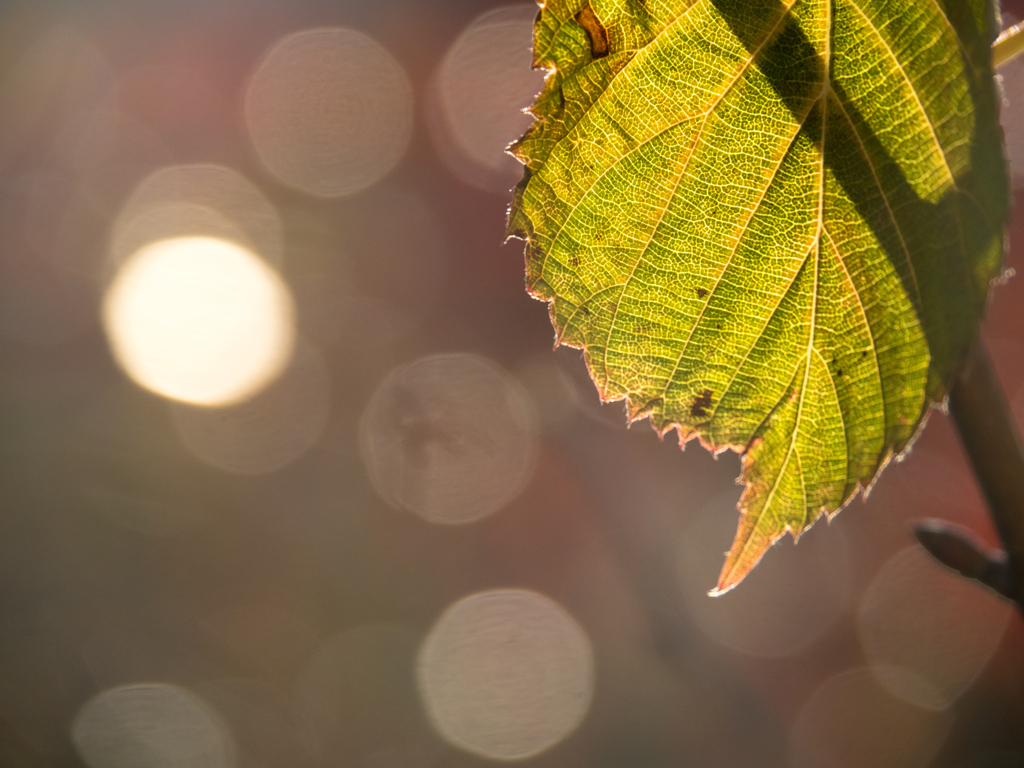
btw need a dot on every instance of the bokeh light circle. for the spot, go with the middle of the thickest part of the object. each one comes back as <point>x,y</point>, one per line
<point>329,111</point>
<point>268,431</point>
<point>195,200</point>
<point>154,725</point>
<point>451,438</point>
<point>927,632</point>
<point>483,86</point>
<point>506,674</point>
<point>850,721</point>
<point>199,320</point>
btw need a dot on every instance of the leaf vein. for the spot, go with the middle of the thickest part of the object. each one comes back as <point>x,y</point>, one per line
<point>885,198</point>
<point>867,324</point>
<point>913,89</point>
<point>685,165</point>
<point>739,240</point>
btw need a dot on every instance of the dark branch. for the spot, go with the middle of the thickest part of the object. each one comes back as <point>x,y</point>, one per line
<point>990,438</point>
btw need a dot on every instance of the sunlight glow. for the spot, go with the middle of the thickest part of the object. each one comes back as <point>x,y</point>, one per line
<point>200,320</point>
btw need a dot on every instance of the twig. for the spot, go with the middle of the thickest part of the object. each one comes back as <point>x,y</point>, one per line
<point>957,548</point>
<point>989,437</point>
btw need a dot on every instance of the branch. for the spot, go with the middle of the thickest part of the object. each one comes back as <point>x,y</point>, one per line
<point>989,437</point>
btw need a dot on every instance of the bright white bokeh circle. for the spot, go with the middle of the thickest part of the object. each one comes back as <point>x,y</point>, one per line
<point>199,320</point>
<point>329,111</point>
<point>506,674</point>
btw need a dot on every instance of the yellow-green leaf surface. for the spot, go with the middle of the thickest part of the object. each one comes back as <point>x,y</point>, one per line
<point>770,225</point>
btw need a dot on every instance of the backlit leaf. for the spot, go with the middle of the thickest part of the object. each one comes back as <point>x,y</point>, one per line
<point>769,225</point>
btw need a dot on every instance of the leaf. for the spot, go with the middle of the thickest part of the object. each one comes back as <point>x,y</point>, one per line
<point>769,225</point>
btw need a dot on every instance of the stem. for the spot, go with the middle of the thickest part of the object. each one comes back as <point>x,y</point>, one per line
<point>1008,45</point>
<point>989,436</point>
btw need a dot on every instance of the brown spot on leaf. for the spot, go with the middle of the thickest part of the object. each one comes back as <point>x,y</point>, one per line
<point>574,261</point>
<point>839,372</point>
<point>701,293</point>
<point>585,311</point>
<point>595,30</point>
<point>701,403</point>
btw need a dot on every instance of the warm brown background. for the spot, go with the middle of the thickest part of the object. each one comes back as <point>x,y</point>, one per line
<point>232,582</point>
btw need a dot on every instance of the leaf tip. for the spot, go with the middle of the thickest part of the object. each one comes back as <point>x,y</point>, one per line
<point>733,572</point>
<point>721,590</point>
<point>748,547</point>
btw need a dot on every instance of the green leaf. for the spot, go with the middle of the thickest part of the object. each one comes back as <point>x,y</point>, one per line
<point>770,225</point>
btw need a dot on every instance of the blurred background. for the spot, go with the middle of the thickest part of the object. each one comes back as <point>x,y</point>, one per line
<point>290,476</point>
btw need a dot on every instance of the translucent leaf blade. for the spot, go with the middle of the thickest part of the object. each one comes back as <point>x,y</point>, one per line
<point>770,226</point>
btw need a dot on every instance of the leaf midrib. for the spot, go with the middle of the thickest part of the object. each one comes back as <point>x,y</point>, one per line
<point>822,99</point>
